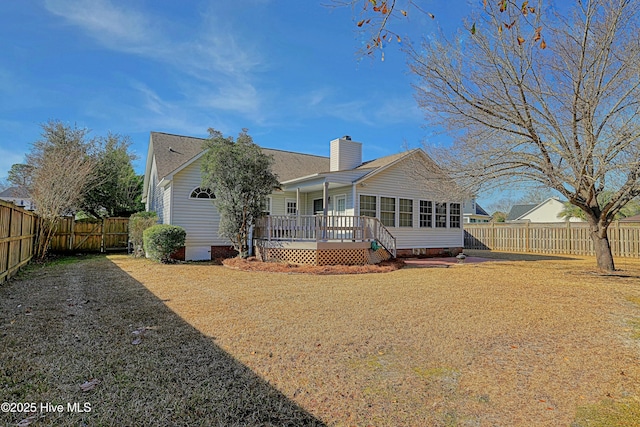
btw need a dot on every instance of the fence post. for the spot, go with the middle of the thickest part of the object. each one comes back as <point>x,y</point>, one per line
<point>104,227</point>
<point>619,239</point>
<point>527,236</point>
<point>493,235</point>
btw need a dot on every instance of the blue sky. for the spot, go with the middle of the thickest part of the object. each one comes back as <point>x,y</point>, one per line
<point>288,70</point>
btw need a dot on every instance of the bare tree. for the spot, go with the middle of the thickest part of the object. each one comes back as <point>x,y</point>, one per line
<point>562,111</point>
<point>63,162</point>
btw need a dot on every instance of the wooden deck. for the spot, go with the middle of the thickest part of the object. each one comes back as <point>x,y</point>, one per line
<point>328,231</point>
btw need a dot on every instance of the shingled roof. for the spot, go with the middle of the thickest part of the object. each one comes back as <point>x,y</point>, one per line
<point>519,210</point>
<point>173,151</point>
<point>15,192</point>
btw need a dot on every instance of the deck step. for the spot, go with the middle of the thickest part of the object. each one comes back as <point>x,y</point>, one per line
<point>376,256</point>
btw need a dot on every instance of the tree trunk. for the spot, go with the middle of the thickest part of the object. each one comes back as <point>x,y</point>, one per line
<point>604,257</point>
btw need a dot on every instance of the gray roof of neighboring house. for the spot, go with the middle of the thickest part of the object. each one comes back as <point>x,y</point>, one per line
<point>15,192</point>
<point>518,210</point>
<point>635,218</point>
<point>480,210</point>
<point>173,151</point>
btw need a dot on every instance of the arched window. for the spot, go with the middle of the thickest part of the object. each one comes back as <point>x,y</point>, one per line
<point>202,193</point>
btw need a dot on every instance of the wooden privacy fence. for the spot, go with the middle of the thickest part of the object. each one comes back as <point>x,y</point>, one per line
<point>108,234</point>
<point>17,235</point>
<point>571,238</point>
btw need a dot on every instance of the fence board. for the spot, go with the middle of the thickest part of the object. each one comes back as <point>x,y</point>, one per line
<point>17,232</point>
<point>109,234</point>
<point>570,238</point>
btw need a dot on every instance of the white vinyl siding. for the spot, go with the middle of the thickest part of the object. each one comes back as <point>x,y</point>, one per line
<point>198,217</point>
<point>400,181</point>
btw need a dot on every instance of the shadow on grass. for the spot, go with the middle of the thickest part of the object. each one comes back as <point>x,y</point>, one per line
<point>73,322</point>
<point>513,256</point>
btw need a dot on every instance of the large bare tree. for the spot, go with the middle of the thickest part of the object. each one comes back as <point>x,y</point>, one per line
<point>62,161</point>
<point>550,97</point>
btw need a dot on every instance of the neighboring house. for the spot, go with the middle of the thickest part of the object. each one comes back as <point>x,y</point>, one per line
<point>19,196</point>
<point>547,211</point>
<point>472,212</point>
<point>634,218</point>
<point>334,209</point>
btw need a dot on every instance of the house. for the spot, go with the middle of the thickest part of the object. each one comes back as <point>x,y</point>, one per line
<point>634,218</point>
<point>19,196</point>
<point>472,212</point>
<point>328,210</point>
<point>548,211</point>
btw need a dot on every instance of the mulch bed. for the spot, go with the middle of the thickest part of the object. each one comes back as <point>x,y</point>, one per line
<point>254,264</point>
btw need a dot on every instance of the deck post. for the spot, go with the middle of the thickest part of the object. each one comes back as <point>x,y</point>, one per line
<point>325,208</point>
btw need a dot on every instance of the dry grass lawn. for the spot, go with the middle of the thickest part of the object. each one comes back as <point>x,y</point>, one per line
<point>530,341</point>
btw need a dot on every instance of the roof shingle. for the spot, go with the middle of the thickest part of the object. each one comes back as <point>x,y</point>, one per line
<point>173,151</point>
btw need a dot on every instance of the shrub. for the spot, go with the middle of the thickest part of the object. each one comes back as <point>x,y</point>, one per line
<point>161,240</point>
<point>138,222</point>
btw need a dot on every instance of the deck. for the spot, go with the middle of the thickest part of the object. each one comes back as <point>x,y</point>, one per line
<point>324,239</point>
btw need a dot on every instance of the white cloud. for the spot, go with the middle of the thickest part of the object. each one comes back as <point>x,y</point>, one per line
<point>211,53</point>
<point>116,28</point>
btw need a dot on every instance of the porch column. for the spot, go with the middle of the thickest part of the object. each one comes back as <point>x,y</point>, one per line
<point>298,224</point>
<point>325,208</point>
<point>325,198</point>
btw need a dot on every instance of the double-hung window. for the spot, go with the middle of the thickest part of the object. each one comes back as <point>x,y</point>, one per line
<point>426,213</point>
<point>388,211</point>
<point>441,215</point>
<point>406,213</point>
<point>454,215</point>
<point>292,207</point>
<point>367,205</point>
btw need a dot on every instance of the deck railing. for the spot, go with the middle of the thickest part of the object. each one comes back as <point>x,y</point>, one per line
<point>323,228</point>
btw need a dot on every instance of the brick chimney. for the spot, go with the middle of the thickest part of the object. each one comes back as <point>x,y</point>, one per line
<point>345,154</point>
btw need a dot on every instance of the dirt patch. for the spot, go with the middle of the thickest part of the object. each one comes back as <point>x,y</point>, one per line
<point>253,264</point>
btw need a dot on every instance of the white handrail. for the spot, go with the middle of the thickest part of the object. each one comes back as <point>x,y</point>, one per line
<point>325,228</point>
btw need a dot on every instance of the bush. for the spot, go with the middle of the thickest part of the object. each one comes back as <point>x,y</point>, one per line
<point>161,240</point>
<point>138,222</point>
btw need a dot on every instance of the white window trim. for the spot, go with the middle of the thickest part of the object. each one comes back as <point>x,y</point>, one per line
<point>313,202</point>
<point>413,209</point>
<point>460,215</point>
<point>377,197</point>
<point>395,212</point>
<point>428,227</point>
<point>286,206</point>
<point>269,205</point>
<point>335,203</point>
<point>199,198</point>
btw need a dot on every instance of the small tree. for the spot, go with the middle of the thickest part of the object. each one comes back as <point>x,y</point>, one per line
<point>138,222</point>
<point>239,174</point>
<point>161,240</point>
<point>62,163</point>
